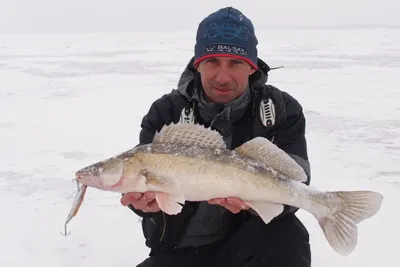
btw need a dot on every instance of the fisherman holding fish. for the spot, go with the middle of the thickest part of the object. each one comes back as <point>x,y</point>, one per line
<point>222,165</point>
<point>224,86</point>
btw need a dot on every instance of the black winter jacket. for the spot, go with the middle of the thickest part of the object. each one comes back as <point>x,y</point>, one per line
<point>283,122</point>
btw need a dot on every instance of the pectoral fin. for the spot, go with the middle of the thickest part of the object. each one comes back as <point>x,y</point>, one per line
<point>170,203</point>
<point>266,210</point>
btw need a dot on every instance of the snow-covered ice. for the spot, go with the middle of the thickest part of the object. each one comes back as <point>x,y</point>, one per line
<point>68,100</point>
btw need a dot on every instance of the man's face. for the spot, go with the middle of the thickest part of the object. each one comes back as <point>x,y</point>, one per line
<point>224,78</point>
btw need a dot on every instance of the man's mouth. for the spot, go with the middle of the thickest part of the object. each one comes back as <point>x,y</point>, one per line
<point>222,90</point>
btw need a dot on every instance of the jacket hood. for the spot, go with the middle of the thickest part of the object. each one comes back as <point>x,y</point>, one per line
<point>258,78</point>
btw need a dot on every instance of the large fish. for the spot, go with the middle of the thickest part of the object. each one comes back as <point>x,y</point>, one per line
<point>189,162</point>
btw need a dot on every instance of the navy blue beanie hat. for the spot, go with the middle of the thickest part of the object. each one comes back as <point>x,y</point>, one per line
<point>226,32</point>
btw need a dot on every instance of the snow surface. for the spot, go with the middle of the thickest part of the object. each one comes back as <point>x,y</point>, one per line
<point>68,100</point>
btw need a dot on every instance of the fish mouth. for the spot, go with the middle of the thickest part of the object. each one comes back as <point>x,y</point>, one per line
<point>89,176</point>
<point>101,178</point>
<point>89,180</point>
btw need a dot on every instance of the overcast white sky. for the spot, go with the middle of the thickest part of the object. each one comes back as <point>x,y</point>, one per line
<point>160,15</point>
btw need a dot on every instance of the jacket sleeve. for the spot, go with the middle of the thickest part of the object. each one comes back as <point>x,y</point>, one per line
<point>290,137</point>
<point>161,112</point>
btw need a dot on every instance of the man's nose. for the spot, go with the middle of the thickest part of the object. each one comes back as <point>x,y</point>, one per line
<point>222,77</point>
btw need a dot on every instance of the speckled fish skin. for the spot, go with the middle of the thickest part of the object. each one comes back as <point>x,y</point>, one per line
<point>189,162</point>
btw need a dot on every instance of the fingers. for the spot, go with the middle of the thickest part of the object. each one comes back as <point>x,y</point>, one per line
<point>149,196</point>
<point>232,208</point>
<point>217,201</point>
<point>152,207</point>
<point>128,198</point>
<point>141,203</point>
<point>234,205</point>
<point>145,202</point>
<point>237,203</point>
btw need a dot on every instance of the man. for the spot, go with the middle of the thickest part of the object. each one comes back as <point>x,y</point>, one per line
<point>224,87</point>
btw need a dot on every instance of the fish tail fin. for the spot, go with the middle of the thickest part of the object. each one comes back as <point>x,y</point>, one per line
<point>339,224</point>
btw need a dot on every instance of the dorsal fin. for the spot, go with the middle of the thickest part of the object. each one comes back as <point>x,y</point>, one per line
<point>189,134</point>
<point>262,150</point>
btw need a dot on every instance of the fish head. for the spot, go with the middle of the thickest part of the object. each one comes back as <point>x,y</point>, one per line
<point>103,175</point>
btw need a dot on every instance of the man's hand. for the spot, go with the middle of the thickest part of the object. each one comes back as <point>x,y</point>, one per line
<point>145,202</point>
<point>235,205</point>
